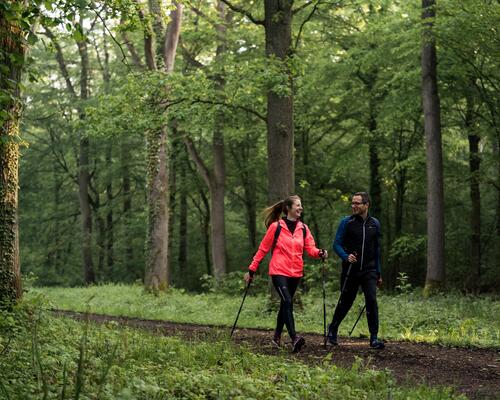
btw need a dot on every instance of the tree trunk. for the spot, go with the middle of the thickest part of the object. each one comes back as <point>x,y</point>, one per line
<point>375,187</point>
<point>183,220</point>
<point>127,211</point>
<point>496,151</point>
<point>157,274</point>
<point>435,278</point>
<point>12,54</point>
<point>475,195</point>
<point>280,135</point>
<point>83,172</point>
<point>109,214</point>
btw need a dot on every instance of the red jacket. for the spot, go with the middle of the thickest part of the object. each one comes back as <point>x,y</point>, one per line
<point>287,255</point>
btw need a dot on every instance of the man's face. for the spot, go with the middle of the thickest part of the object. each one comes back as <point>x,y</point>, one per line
<point>357,205</point>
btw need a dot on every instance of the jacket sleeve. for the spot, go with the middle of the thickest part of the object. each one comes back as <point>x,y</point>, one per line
<point>310,244</point>
<point>338,243</point>
<point>264,247</point>
<point>377,246</point>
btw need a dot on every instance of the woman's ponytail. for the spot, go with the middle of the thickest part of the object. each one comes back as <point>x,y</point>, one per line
<point>273,213</point>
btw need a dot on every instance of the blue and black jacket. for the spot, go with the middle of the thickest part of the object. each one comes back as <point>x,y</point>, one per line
<point>362,237</point>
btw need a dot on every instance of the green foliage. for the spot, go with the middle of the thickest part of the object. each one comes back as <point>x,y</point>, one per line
<point>130,364</point>
<point>446,319</point>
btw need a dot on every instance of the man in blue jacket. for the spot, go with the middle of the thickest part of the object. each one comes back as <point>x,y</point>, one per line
<point>357,243</point>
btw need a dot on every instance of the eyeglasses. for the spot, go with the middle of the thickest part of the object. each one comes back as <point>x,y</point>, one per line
<point>357,203</point>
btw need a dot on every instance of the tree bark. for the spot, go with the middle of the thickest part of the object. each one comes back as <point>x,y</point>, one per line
<point>280,133</point>
<point>375,187</point>
<point>435,277</point>
<point>127,211</point>
<point>83,171</point>
<point>475,196</point>
<point>183,220</point>
<point>157,274</point>
<point>11,44</point>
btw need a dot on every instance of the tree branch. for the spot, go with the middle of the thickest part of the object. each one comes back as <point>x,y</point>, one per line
<point>238,107</point>
<point>244,12</point>
<point>200,165</point>
<point>303,6</point>
<point>305,21</point>
<point>61,62</point>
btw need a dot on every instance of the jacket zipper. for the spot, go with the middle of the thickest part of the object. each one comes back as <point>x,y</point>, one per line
<point>363,245</point>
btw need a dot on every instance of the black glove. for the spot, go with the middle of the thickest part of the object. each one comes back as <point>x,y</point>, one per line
<point>322,253</point>
<point>251,273</point>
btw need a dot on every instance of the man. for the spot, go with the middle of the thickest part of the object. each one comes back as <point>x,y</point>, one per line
<point>357,243</point>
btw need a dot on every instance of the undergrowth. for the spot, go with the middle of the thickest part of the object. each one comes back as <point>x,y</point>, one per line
<point>42,357</point>
<point>450,319</point>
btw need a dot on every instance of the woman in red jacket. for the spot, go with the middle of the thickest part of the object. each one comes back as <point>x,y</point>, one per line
<point>286,238</point>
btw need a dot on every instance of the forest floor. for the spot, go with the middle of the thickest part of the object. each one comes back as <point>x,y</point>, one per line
<point>473,372</point>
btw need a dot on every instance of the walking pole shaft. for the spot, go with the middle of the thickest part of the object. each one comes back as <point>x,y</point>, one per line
<point>241,306</point>
<point>359,317</point>
<point>324,304</point>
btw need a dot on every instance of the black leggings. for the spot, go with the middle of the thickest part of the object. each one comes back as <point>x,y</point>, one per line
<point>286,287</point>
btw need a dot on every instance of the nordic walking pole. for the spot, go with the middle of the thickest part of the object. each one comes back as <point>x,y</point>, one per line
<point>345,282</point>
<point>359,317</point>
<point>241,306</point>
<point>236,321</point>
<point>324,302</point>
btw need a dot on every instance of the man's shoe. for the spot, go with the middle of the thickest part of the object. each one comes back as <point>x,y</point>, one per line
<point>298,343</point>
<point>376,344</point>
<point>332,336</point>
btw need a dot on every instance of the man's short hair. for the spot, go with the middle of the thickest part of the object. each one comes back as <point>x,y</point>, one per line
<point>364,196</point>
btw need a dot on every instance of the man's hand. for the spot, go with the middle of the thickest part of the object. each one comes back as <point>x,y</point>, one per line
<point>379,281</point>
<point>352,258</point>
<point>323,254</point>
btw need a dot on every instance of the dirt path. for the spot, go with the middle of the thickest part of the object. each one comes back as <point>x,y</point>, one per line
<point>474,372</point>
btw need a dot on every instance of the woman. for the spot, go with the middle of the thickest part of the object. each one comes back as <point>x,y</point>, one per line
<point>286,238</point>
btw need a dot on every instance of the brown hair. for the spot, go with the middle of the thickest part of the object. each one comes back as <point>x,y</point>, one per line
<point>364,196</point>
<point>273,213</point>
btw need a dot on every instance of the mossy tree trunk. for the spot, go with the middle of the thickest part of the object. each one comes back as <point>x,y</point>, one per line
<point>12,51</point>
<point>160,49</point>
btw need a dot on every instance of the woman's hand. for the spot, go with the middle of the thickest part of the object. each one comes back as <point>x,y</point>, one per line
<point>247,277</point>
<point>323,254</point>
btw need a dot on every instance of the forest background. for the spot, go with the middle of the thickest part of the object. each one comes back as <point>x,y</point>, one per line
<point>134,167</point>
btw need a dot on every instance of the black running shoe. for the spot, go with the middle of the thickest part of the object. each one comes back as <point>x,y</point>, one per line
<point>377,344</point>
<point>332,336</point>
<point>276,342</point>
<point>298,343</point>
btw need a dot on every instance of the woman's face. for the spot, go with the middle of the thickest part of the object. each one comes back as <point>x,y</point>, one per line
<point>295,211</point>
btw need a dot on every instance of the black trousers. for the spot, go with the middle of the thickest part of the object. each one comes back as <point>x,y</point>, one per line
<point>368,282</point>
<point>286,287</point>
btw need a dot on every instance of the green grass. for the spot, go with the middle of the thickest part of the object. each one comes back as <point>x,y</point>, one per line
<point>448,319</point>
<point>47,358</point>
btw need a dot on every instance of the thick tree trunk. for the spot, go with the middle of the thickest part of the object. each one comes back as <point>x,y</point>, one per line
<point>11,44</point>
<point>435,277</point>
<point>157,274</point>
<point>280,135</point>
<point>475,195</point>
